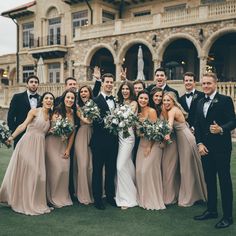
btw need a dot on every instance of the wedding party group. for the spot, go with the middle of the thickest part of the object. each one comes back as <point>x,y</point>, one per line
<point>144,147</point>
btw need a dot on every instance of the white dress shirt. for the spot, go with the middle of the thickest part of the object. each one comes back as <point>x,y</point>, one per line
<point>189,99</point>
<point>110,103</point>
<point>33,101</point>
<point>207,104</point>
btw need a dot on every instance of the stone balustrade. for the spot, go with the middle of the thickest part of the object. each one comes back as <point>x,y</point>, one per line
<point>194,15</point>
<point>6,92</point>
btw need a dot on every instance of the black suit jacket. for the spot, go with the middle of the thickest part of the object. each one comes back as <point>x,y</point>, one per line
<point>18,110</point>
<point>221,111</point>
<point>101,137</point>
<point>192,110</point>
<point>166,89</point>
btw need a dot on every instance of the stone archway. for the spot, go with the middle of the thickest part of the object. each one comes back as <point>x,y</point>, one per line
<point>221,56</point>
<point>127,57</point>
<point>178,55</point>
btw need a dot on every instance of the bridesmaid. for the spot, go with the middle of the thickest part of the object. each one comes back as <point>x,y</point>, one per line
<point>58,154</point>
<point>170,159</point>
<point>24,184</point>
<point>192,184</point>
<point>126,193</point>
<point>148,162</point>
<point>83,156</point>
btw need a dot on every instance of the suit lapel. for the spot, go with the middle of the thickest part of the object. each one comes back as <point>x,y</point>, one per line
<point>26,99</point>
<point>213,103</point>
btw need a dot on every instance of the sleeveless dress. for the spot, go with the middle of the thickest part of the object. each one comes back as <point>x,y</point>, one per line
<point>57,169</point>
<point>149,177</point>
<point>83,164</point>
<point>126,192</point>
<point>170,172</point>
<point>24,184</point>
<point>192,183</point>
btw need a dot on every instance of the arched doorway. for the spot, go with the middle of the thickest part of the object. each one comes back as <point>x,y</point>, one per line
<point>103,59</point>
<point>179,57</point>
<point>130,61</point>
<point>221,57</point>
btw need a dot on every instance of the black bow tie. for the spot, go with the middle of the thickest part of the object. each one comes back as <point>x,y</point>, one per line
<point>207,99</point>
<point>189,94</point>
<point>33,96</point>
<point>109,97</point>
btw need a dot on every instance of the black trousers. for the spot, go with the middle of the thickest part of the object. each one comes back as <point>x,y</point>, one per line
<point>218,164</point>
<point>104,156</point>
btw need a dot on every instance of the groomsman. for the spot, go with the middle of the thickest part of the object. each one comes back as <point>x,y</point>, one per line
<point>215,118</point>
<point>139,85</point>
<point>70,83</point>
<point>104,146</point>
<point>21,104</point>
<point>160,79</point>
<point>191,97</point>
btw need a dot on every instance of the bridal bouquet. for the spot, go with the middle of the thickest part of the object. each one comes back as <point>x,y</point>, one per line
<point>4,134</point>
<point>120,120</point>
<point>90,110</point>
<point>155,131</point>
<point>62,128</point>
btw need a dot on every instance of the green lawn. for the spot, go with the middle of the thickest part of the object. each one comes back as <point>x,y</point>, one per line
<point>86,220</point>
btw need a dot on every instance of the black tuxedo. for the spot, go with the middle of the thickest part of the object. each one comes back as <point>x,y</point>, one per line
<point>217,161</point>
<point>104,146</point>
<point>17,113</point>
<point>167,88</point>
<point>192,110</point>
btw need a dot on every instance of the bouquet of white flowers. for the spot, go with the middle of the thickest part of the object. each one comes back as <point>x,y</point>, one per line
<point>121,119</point>
<point>155,131</point>
<point>90,110</point>
<point>4,134</point>
<point>62,128</point>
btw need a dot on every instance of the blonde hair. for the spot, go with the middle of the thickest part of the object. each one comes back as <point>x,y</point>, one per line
<point>176,103</point>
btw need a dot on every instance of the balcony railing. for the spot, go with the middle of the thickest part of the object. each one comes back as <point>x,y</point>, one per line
<point>188,16</point>
<point>49,40</point>
<point>7,92</point>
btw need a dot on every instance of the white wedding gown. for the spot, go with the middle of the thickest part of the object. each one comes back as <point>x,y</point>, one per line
<point>126,192</point>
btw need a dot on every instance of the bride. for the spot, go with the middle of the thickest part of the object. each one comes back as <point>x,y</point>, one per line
<point>126,193</point>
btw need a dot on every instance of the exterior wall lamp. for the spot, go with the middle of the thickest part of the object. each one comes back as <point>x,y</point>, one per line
<point>201,35</point>
<point>115,44</point>
<point>154,40</point>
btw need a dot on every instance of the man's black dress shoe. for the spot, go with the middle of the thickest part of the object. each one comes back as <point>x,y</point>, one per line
<point>206,215</point>
<point>112,202</point>
<point>224,223</point>
<point>99,205</point>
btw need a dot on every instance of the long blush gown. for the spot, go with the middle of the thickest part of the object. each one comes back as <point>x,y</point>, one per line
<point>83,164</point>
<point>24,184</point>
<point>149,177</point>
<point>57,169</point>
<point>192,183</point>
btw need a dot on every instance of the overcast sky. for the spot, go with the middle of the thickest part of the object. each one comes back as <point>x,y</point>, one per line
<point>7,27</point>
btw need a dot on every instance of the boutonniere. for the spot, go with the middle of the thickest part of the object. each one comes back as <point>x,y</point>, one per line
<point>215,100</point>
<point>194,96</point>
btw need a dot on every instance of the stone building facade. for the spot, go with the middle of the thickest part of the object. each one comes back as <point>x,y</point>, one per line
<point>73,36</point>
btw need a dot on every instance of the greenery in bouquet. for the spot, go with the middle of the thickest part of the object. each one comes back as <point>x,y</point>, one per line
<point>90,110</point>
<point>120,120</point>
<point>62,128</point>
<point>155,131</point>
<point>4,134</point>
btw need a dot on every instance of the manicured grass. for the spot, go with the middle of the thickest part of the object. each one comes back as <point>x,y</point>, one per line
<point>86,220</point>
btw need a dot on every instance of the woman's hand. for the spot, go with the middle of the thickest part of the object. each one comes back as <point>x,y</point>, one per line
<point>66,154</point>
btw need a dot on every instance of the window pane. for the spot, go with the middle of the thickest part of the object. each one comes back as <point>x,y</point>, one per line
<point>79,19</point>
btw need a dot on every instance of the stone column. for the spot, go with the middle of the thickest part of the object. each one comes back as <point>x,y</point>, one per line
<point>202,67</point>
<point>118,70</point>
<point>80,72</point>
